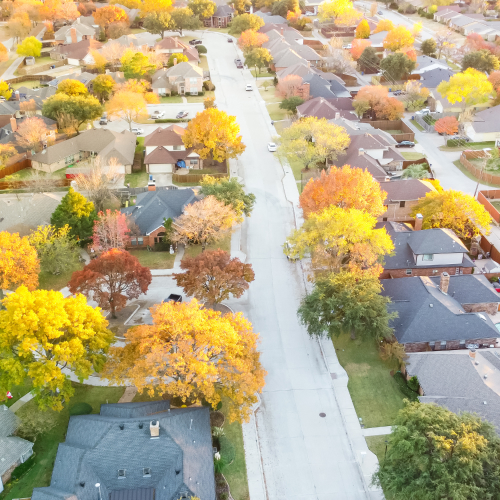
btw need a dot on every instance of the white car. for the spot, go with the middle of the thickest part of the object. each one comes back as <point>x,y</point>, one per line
<point>271,147</point>
<point>310,13</point>
<point>137,131</point>
<point>157,114</point>
<point>248,87</point>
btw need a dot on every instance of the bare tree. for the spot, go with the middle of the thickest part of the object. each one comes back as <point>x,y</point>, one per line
<point>337,59</point>
<point>39,182</point>
<point>113,51</point>
<point>31,133</point>
<point>29,107</point>
<point>444,42</point>
<point>287,86</point>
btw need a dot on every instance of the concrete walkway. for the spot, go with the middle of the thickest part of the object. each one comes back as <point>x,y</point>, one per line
<point>377,431</point>
<point>128,395</point>
<point>21,401</point>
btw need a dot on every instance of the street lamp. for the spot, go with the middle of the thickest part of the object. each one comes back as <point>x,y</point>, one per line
<point>98,485</point>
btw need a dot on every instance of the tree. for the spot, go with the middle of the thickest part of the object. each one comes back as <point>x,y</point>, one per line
<point>435,453</point>
<point>384,25</point>
<point>245,22</point>
<point>312,141</point>
<point>80,109</point>
<point>482,60</point>
<point>258,58</point>
<point>341,239</point>
<point>111,279</point>
<point>20,25</point>
<point>103,86</point>
<point>38,342</point>
<point>444,41</point>
<point>128,105</point>
<point>229,191</point>
<point>368,60</point>
<point>251,39</point>
<point>30,46</point>
<point>343,187</point>
<point>416,171</point>
<point>241,6</point>
<point>195,354</point>
<point>368,97</point>
<point>209,102</point>
<point>56,250</point>
<point>429,47</point>
<point>350,17</point>
<point>19,263</point>
<point>333,9</point>
<point>389,109</point>
<point>99,62</point>
<point>72,87</point>
<point>213,276</point>
<point>4,53</point>
<point>130,4</point>
<point>6,151</point>
<point>136,64</point>
<point>78,213</point>
<point>289,104</point>
<point>202,8</point>
<point>158,22</point>
<point>416,95</point>
<point>31,132</point>
<point>454,210</point>
<point>104,16</point>
<point>116,30</point>
<point>346,302</point>
<point>448,125</point>
<point>288,86</point>
<point>470,87</point>
<point>176,58</point>
<point>5,90</point>
<point>149,6</point>
<point>68,10</point>
<point>213,133</point>
<point>396,66</point>
<point>184,19</point>
<point>110,231</point>
<point>398,38</point>
<point>359,45</point>
<point>373,9</point>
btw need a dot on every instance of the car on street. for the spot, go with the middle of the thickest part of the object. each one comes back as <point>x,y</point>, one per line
<point>380,13</point>
<point>425,111</point>
<point>157,114</point>
<point>248,87</point>
<point>229,40</point>
<point>181,114</point>
<point>173,297</point>
<point>310,14</point>
<point>405,144</point>
<point>463,138</point>
<point>195,42</point>
<point>239,63</point>
<point>347,46</point>
<point>137,130</point>
<point>271,147</point>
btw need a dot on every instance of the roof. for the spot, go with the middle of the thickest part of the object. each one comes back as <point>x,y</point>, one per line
<point>487,120</point>
<point>81,29</point>
<point>152,207</point>
<point>478,28</point>
<point>78,50</point>
<point>461,21</point>
<point>84,78</point>
<point>180,460</point>
<point>162,155</point>
<point>9,422</point>
<point>223,11</point>
<point>358,128</point>
<point>405,190</point>
<point>287,58</point>
<point>378,38</point>
<point>435,241</point>
<point>270,19</point>
<point>321,108</point>
<point>184,69</point>
<point>432,78</point>
<point>319,87</point>
<point>169,136</point>
<point>425,314</point>
<point>425,61</point>
<point>301,68</point>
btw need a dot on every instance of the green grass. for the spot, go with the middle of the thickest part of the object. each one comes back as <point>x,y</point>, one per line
<point>376,444</point>
<point>194,250</point>
<point>417,125</point>
<point>280,126</point>
<point>174,99</point>
<point>154,260</point>
<point>17,391</point>
<point>137,179</point>
<point>200,98</point>
<point>470,145</point>
<point>470,175</point>
<point>496,204</point>
<point>376,396</point>
<point>40,61</point>
<point>275,112</point>
<point>297,167</point>
<point>412,156</point>
<point>220,30</point>
<point>30,85</point>
<point>204,62</point>
<point>263,73</point>
<point>270,95</point>
<point>47,443</point>
<point>47,281</point>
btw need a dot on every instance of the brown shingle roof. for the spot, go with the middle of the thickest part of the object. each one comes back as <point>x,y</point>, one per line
<point>170,136</point>
<point>78,50</point>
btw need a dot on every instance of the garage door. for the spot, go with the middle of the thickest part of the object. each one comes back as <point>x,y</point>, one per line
<point>160,168</point>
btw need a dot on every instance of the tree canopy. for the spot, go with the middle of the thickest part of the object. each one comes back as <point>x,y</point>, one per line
<point>30,46</point>
<point>429,47</point>
<point>397,65</point>
<point>258,57</point>
<point>202,8</point>
<point>251,39</point>
<point>245,22</point>
<point>136,64</point>
<point>469,87</point>
<point>363,29</point>
<point>333,9</point>
<point>398,38</point>
<point>103,86</point>
<point>158,22</point>
<point>482,60</point>
<point>72,87</point>
<point>130,105</point>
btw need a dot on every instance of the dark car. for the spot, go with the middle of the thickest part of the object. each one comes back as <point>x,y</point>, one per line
<point>173,297</point>
<point>181,114</point>
<point>195,42</point>
<point>397,92</point>
<point>229,40</point>
<point>405,144</point>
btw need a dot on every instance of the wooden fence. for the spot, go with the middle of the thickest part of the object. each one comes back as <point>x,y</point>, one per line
<point>30,78</point>
<point>194,178</point>
<point>476,170</point>
<point>406,134</point>
<point>16,167</point>
<point>27,184</point>
<point>407,163</point>
<point>484,198</point>
<point>28,70</point>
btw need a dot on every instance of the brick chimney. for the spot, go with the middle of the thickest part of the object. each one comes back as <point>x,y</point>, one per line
<point>13,123</point>
<point>282,31</point>
<point>154,429</point>
<point>72,32</point>
<point>175,42</point>
<point>175,61</point>
<point>361,152</point>
<point>17,97</point>
<point>444,282</point>
<point>472,353</point>
<point>419,219</point>
<point>337,115</point>
<point>151,184</point>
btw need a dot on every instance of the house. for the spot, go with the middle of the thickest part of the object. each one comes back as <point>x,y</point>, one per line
<point>479,28</point>
<point>8,131</point>
<point>377,39</point>
<point>20,107</point>
<point>105,144</point>
<point>402,196</point>
<point>143,41</point>
<point>424,252</point>
<point>152,208</point>
<point>165,151</point>
<point>270,19</point>
<point>78,54</point>
<point>458,23</point>
<point>445,11</point>
<point>172,45</point>
<point>461,381</point>
<point>442,313</point>
<point>117,76</point>
<point>431,78</point>
<point>288,33</point>
<point>84,77</point>
<point>182,78</point>
<point>321,87</point>
<point>133,451</point>
<point>13,450</point>
<point>222,17</point>
<point>77,32</point>
<point>427,63</point>
<point>322,108</point>
<point>485,125</point>
<point>281,50</point>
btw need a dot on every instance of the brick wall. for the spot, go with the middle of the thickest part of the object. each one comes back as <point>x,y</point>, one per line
<point>424,271</point>
<point>490,307</point>
<point>451,345</point>
<point>147,240</point>
<point>397,213</point>
<point>6,475</point>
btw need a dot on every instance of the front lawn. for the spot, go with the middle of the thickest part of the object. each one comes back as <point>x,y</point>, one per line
<point>275,112</point>
<point>204,62</point>
<point>376,396</point>
<point>194,250</point>
<point>263,73</point>
<point>49,281</point>
<point>412,155</point>
<point>417,125</point>
<point>173,99</point>
<point>376,444</point>
<point>32,84</point>
<point>17,391</point>
<point>154,260</point>
<point>200,98</point>
<point>46,444</point>
<point>137,179</point>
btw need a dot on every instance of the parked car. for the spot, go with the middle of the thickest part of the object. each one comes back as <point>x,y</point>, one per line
<point>181,114</point>
<point>248,87</point>
<point>380,13</point>
<point>425,111</point>
<point>104,119</point>
<point>397,92</point>
<point>239,63</point>
<point>173,297</point>
<point>460,138</point>
<point>271,147</point>
<point>195,42</point>
<point>137,130</point>
<point>347,46</point>
<point>157,114</point>
<point>310,14</point>
<point>229,40</point>
<point>405,144</point>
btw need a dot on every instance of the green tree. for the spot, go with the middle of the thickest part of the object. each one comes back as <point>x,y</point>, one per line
<point>231,192</point>
<point>30,47</point>
<point>290,104</point>
<point>81,109</point>
<point>103,86</point>
<point>78,213</point>
<point>434,453</point>
<point>482,60</point>
<point>397,65</point>
<point>136,65</point>
<point>179,58</point>
<point>369,60</point>
<point>245,22</point>
<point>416,172</point>
<point>158,22</point>
<point>184,19</point>
<point>429,47</point>
<point>202,8</point>
<point>346,302</point>
<point>258,58</point>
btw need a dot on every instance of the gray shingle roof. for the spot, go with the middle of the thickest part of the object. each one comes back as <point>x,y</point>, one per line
<point>471,289</point>
<point>435,240</point>
<point>320,87</point>
<point>432,78</point>
<point>9,422</point>
<point>487,120</point>
<point>98,446</point>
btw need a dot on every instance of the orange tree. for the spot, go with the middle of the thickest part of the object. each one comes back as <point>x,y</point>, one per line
<point>343,187</point>
<point>251,39</point>
<point>110,14</point>
<point>448,125</point>
<point>195,354</point>
<point>358,47</point>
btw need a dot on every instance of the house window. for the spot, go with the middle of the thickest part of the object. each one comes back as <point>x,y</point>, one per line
<point>121,473</point>
<point>408,272</point>
<point>462,344</point>
<point>193,162</point>
<point>140,240</point>
<point>443,345</point>
<point>432,345</point>
<point>384,219</point>
<point>193,81</point>
<point>428,256</point>
<point>402,204</point>
<point>177,148</point>
<point>193,91</point>
<point>133,241</point>
<point>146,472</point>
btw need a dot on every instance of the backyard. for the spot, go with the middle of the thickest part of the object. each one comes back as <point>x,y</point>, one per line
<point>49,281</point>
<point>410,155</point>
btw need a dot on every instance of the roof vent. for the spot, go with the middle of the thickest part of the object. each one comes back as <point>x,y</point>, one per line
<point>431,305</point>
<point>485,403</point>
<point>485,376</point>
<point>141,425</point>
<point>82,484</point>
<point>177,472</point>
<point>154,429</point>
<point>146,472</point>
<point>122,426</point>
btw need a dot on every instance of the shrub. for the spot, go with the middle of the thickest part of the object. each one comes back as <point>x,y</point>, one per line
<point>201,49</point>
<point>202,93</point>
<point>172,120</point>
<point>80,409</point>
<point>400,379</point>
<point>219,464</point>
<point>453,143</point>
<point>162,246</point>
<point>413,383</point>
<point>20,470</point>
<point>494,279</point>
<point>429,16</point>
<point>226,450</point>
<point>393,6</point>
<point>208,85</point>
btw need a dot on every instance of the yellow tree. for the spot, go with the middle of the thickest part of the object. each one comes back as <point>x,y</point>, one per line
<point>384,25</point>
<point>453,210</point>
<point>398,38</point>
<point>39,342</point>
<point>4,53</point>
<point>251,39</point>
<point>349,17</point>
<point>195,354</point>
<point>128,105</point>
<point>5,90</point>
<point>333,9</point>
<point>470,87</point>
<point>149,6</point>
<point>72,88</point>
<point>213,133</point>
<point>18,262</point>
<point>110,14</point>
<point>363,29</point>
<point>341,239</point>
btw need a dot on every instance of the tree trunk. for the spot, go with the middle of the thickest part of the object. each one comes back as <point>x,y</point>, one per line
<point>113,312</point>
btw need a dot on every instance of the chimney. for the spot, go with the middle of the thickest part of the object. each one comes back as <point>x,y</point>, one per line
<point>387,179</point>
<point>444,282</point>
<point>419,219</point>
<point>361,151</point>
<point>175,41</point>
<point>78,20</point>
<point>337,115</point>
<point>154,429</point>
<point>72,32</point>
<point>13,123</point>
<point>282,31</point>
<point>175,61</point>
<point>17,97</point>
<point>472,353</point>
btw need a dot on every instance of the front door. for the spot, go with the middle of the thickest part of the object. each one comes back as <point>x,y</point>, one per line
<point>181,89</point>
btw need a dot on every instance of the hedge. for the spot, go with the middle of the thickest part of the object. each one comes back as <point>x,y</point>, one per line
<point>80,409</point>
<point>201,49</point>
<point>400,379</point>
<point>20,470</point>
<point>173,120</point>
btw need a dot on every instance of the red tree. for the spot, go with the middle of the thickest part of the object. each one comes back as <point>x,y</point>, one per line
<point>389,109</point>
<point>287,86</point>
<point>213,276</point>
<point>110,231</point>
<point>111,280</point>
<point>447,125</point>
<point>358,46</point>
